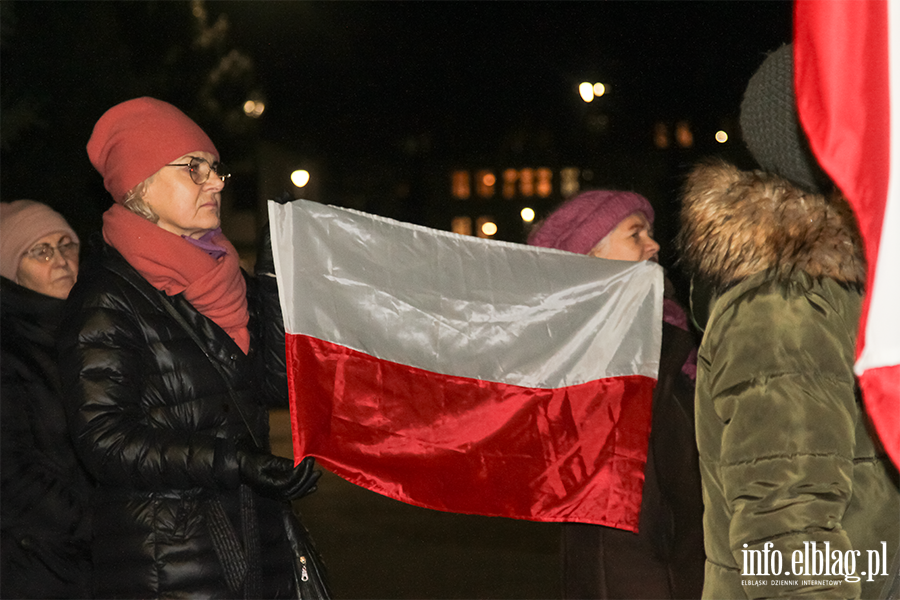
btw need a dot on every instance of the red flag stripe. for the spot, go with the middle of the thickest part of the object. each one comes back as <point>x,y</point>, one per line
<point>843,100</point>
<point>844,66</point>
<point>470,446</point>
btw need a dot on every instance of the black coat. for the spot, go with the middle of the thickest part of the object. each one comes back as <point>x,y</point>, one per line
<point>665,558</point>
<point>43,490</point>
<point>155,425</point>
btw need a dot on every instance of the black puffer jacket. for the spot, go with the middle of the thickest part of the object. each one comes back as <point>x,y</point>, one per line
<point>44,492</point>
<point>155,424</point>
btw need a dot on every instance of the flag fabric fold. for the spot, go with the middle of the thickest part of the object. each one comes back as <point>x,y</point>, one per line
<point>468,375</point>
<point>847,80</point>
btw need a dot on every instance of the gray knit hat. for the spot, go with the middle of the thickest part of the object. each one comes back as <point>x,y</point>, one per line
<point>770,126</point>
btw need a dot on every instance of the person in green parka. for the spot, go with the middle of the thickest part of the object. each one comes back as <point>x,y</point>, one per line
<point>799,497</point>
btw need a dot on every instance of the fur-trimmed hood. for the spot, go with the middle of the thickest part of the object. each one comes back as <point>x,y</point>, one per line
<point>736,223</point>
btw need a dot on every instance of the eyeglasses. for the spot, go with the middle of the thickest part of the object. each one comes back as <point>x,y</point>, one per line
<point>200,170</point>
<point>45,252</point>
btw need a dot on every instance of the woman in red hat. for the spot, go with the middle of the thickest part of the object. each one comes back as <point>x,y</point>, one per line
<point>172,361</point>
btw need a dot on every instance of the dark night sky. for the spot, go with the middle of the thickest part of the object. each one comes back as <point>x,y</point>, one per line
<point>352,83</point>
<point>466,71</point>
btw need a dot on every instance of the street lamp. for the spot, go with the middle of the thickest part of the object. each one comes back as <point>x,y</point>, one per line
<point>300,178</point>
<point>588,91</point>
<point>527,214</point>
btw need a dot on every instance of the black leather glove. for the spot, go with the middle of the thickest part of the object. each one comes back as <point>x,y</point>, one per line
<point>275,476</point>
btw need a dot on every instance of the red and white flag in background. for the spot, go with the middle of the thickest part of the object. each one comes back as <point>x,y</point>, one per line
<point>847,80</point>
<point>468,375</point>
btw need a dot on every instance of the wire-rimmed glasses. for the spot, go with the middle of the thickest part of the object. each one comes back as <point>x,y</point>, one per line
<point>200,169</point>
<point>45,251</point>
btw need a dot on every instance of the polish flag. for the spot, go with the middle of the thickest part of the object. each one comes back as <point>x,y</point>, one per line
<point>468,375</point>
<point>847,79</point>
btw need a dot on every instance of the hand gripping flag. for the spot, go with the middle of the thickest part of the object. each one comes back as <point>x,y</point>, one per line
<point>468,375</point>
<point>847,79</point>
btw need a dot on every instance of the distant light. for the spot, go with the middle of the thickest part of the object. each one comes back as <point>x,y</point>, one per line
<point>569,185</point>
<point>485,181</point>
<point>661,135</point>
<point>461,225</point>
<point>721,137</point>
<point>544,181</point>
<point>461,188</point>
<point>683,134</point>
<point>254,108</point>
<point>300,178</point>
<point>586,91</point>
<point>489,228</point>
<point>510,176</point>
<point>527,214</point>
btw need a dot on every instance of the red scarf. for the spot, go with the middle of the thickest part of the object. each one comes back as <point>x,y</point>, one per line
<point>173,265</point>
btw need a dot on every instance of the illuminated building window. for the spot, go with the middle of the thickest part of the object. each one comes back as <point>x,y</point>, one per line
<point>510,176</point>
<point>485,227</point>
<point>461,225</point>
<point>526,183</point>
<point>684,135</point>
<point>461,188</point>
<point>544,182</point>
<point>485,182</point>
<point>661,136</point>
<point>569,182</point>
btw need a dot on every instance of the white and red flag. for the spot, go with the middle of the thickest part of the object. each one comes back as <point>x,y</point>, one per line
<point>847,81</point>
<point>468,375</point>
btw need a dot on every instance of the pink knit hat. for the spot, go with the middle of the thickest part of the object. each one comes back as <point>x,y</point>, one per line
<point>135,139</point>
<point>22,224</point>
<point>581,222</point>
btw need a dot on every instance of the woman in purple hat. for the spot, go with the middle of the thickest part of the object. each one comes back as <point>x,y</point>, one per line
<point>665,559</point>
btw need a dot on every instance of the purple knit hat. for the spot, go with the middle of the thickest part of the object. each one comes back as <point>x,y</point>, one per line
<point>581,222</point>
<point>22,224</point>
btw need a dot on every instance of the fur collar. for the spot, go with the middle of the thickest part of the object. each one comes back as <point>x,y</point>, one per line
<point>736,223</point>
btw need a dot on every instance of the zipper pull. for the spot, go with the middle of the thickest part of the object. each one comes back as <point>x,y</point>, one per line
<point>304,575</point>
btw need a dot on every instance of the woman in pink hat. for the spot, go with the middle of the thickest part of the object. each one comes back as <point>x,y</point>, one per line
<point>172,360</point>
<point>44,532</point>
<point>665,559</point>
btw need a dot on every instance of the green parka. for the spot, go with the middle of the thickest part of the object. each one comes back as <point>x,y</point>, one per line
<point>792,476</point>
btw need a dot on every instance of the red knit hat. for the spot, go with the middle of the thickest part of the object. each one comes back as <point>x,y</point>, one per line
<point>22,224</point>
<point>581,222</point>
<point>135,139</point>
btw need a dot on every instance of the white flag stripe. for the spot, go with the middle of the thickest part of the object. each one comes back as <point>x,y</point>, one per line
<point>882,347</point>
<point>464,306</point>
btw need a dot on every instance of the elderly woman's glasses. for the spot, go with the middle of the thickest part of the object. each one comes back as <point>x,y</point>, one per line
<point>200,170</point>
<point>45,252</point>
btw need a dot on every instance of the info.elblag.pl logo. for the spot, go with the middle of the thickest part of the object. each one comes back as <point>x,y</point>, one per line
<point>815,561</point>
